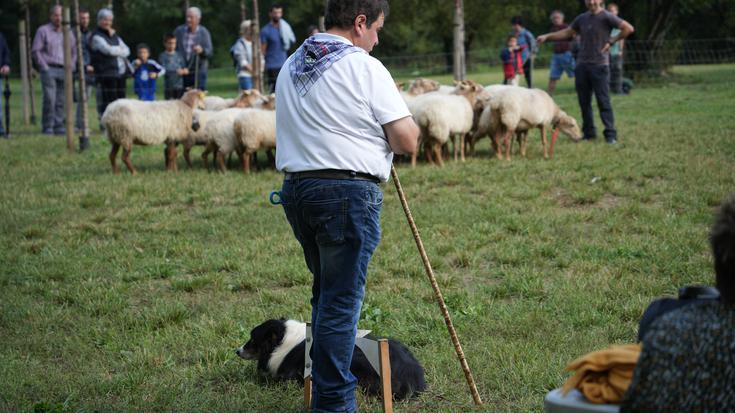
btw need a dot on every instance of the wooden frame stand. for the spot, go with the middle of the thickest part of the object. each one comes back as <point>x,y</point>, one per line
<point>377,354</point>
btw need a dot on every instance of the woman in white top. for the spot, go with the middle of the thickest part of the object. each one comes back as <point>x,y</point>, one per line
<point>242,55</point>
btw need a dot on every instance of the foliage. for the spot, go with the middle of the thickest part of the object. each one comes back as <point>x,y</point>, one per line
<point>121,293</point>
<point>414,26</point>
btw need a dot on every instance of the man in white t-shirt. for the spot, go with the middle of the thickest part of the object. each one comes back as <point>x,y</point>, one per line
<point>340,120</point>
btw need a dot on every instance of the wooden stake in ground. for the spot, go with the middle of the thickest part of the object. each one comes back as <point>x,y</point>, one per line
<point>68,81</point>
<point>257,52</point>
<point>437,291</point>
<point>82,79</point>
<point>29,64</point>
<point>24,73</point>
<point>460,65</point>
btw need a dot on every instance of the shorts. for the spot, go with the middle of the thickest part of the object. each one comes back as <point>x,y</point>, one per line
<point>561,63</point>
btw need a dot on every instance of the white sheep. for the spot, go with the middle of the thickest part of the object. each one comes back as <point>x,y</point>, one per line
<point>219,132</point>
<point>128,122</point>
<point>518,110</point>
<point>441,117</point>
<point>255,129</point>
<point>204,136</point>
<point>418,86</point>
<point>246,99</point>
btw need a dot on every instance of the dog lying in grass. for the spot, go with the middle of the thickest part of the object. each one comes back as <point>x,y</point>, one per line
<point>279,347</point>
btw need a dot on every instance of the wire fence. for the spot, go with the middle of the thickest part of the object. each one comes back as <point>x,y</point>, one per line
<point>639,56</point>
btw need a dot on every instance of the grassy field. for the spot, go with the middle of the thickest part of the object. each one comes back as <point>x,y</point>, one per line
<point>122,293</point>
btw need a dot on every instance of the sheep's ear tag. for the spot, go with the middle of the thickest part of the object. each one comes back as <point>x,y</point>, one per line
<point>202,95</point>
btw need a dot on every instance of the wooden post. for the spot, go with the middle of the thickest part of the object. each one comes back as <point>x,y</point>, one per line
<point>24,73</point>
<point>307,392</point>
<point>243,11</point>
<point>385,385</point>
<point>322,28</point>
<point>82,75</point>
<point>257,69</point>
<point>68,82</point>
<point>29,64</point>
<point>460,69</point>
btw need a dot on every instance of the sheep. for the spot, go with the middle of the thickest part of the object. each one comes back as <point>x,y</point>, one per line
<point>251,98</point>
<point>441,116</point>
<point>245,99</point>
<point>220,131</point>
<point>418,87</point>
<point>518,110</point>
<point>255,129</point>
<point>129,122</point>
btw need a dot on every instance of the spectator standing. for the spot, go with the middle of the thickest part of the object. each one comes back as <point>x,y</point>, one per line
<point>688,358</point>
<point>276,38</point>
<point>512,61</point>
<point>194,43</point>
<point>146,71</point>
<point>175,68</point>
<point>340,119</point>
<point>4,71</point>
<point>562,60</point>
<point>616,57</point>
<point>109,60</point>
<point>593,72</point>
<point>48,53</point>
<point>242,55</point>
<point>525,38</point>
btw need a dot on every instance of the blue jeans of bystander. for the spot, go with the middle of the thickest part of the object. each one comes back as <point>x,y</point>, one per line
<point>337,223</point>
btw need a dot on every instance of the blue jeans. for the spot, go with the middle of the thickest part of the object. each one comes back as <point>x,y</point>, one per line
<point>52,82</point>
<point>245,82</point>
<point>337,223</point>
<point>561,63</point>
<point>589,79</point>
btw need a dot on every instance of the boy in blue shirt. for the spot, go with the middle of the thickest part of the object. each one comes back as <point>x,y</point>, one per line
<point>146,71</point>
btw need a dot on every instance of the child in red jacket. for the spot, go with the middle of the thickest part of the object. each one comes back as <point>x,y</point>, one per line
<point>512,61</point>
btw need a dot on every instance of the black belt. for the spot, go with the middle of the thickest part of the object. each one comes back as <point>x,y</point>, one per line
<point>331,174</point>
<point>55,66</point>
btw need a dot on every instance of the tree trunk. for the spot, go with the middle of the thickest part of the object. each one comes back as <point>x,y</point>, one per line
<point>460,69</point>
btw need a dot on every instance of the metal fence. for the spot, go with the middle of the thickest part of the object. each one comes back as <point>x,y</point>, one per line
<point>640,55</point>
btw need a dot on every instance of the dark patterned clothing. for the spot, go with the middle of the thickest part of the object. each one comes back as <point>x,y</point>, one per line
<point>313,58</point>
<point>687,363</point>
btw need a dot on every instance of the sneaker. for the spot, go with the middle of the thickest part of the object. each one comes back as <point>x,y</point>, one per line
<point>611,141</point>
<point>589,138</point>
<point>60,132</point>
<point>48,132</point>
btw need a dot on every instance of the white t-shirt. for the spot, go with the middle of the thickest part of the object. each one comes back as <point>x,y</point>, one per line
<point>337,124</point>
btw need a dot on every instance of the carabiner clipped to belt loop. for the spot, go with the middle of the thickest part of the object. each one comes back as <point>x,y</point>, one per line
<point>275,198</point>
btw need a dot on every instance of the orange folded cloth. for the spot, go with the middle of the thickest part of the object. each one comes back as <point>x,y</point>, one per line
<point>604,376</point>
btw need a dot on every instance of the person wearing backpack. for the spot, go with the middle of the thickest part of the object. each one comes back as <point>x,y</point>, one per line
<point>242,56</point>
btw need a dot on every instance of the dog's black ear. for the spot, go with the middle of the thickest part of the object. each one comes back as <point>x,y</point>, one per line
<point>274,339</point>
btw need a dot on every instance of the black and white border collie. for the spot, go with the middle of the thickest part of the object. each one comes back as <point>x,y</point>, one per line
<point>279,346</point>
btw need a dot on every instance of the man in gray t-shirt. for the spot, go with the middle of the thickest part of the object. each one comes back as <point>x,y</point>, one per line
<point>592,73</point>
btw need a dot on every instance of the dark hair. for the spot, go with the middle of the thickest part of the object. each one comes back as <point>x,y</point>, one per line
<point>516,20</point>
<point>83,9</point>
<point>142,46</point>
<point>722,239</point>
<point>168,36</point>
<point>512,36</point>
<point>275,6</point>
<point>342,13</point>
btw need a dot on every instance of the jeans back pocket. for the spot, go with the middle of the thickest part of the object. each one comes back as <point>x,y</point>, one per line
<point>327,219</point>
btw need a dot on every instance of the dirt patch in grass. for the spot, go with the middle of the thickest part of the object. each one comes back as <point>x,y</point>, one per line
<point>584,202</point>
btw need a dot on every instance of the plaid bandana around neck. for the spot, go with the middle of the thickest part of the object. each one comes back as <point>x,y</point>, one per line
<point>315,57</point>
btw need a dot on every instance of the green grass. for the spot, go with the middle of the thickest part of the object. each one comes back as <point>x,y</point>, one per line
<point>122,293</point>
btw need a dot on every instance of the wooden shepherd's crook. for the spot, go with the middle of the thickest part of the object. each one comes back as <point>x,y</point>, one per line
<point>437,291</point>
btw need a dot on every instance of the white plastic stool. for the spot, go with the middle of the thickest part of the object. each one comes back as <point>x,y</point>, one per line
<point>377,354</point>
<point>574,402</point>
